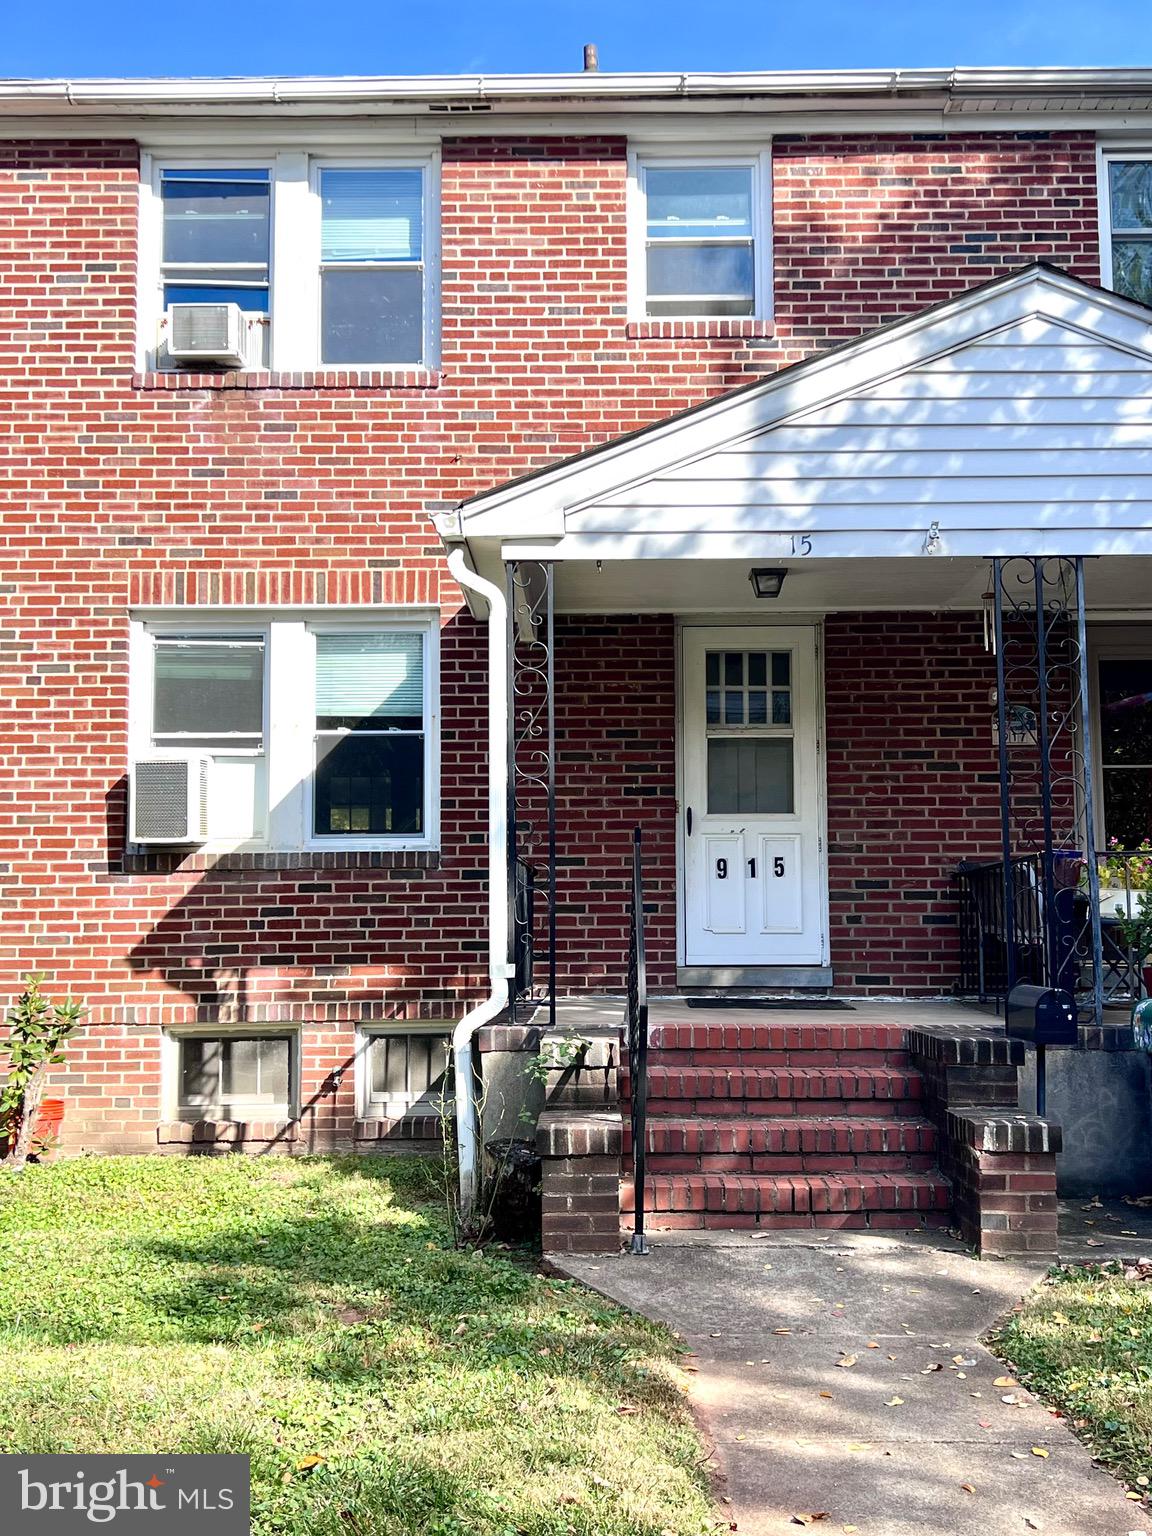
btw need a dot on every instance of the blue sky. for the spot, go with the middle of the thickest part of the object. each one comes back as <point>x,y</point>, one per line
<point>229,37</point>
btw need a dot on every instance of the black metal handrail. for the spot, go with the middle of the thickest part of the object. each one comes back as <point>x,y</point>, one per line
<point>1044,932</point>
<point>636,1024</point>
<point>523,931</point>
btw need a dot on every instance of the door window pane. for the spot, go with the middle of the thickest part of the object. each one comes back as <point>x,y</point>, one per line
<point>750,776</point>
<point>1126,749</point>
<point>744,699</point>
<point>208,692</point>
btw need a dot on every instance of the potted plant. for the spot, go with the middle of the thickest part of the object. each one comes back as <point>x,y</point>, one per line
<point>37,1032</point>
<point>1124,878</point>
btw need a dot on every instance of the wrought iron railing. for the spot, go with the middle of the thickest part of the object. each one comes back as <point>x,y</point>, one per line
<point>1035,924</point>
<point>523,930</point>
<point>636,1026</point>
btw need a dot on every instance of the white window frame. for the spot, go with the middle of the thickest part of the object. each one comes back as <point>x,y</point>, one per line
<point>1109,643</point>
<point>760,163</point>
<point>290,716</point>
<point>1105,155</point>
<point>366,1107</point>
<point>171,1048</point>
<point>294,256</point>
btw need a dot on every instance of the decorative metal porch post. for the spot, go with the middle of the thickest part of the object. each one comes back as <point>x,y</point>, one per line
<point>1051,927</point>
<point>531,774</point>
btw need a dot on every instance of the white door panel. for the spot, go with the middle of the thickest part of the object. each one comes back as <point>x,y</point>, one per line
<point>753,865</point>
<point>724,883</point>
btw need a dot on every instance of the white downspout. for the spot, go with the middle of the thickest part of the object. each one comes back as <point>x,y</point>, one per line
<point>499,970</point>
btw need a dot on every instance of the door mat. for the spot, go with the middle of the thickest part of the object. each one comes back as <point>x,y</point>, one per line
<point>805,1004</point>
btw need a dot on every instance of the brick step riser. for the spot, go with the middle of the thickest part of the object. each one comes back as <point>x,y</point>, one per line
<point>759,1109</point>
<point>785,1163</point>
<point>781,1060</point>
<point>849,1221</point>
<point>865,1138</point>
<point>794,1195</point>
<point>776,1037</point>
<point>828,1083</point>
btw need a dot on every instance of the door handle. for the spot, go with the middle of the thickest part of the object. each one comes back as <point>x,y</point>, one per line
<point>688,820</point>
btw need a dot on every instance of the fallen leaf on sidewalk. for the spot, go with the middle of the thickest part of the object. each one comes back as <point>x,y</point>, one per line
<point>825,1394</point>
<point>967,1487</point>
<point>928,1369</point>
<point>1032,1523</point>
<point>872,1344</point>
<point>846,1362</point>
<point>1038,1450</point>
<point>894,1402</point>
<point>1005,1381</point>
<point>819,1514</point>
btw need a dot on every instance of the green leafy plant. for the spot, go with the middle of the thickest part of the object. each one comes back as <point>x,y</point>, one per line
<point>1129,871</point>
<point>38,1030</point>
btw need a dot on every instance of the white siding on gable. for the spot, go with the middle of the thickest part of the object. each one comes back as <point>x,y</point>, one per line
<point>1035,426</point>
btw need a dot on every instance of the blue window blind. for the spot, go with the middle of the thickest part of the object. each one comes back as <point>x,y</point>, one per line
<point>361,678</point>
<point>372,215</point>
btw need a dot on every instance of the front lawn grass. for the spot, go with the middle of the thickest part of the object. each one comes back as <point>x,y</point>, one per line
<point>1083,1343</point>
<point>293,1309</point>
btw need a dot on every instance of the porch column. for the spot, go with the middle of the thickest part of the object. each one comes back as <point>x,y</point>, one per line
<point>531,775</point>
<point>1046,755</point>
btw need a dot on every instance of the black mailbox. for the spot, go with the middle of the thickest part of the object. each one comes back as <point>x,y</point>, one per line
<point>1040,1015</point>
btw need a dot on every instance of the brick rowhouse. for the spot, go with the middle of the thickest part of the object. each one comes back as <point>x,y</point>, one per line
<point>123,490</point>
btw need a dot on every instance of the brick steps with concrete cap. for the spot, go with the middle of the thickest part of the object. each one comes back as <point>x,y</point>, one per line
<point>772,1123</point>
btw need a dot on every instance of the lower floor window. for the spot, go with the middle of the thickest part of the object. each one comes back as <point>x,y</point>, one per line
<point>406,1071</point>
<point>236,1077</point>
<point>1125,685</point>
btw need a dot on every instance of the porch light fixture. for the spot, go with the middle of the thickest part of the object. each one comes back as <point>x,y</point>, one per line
<point>766,583</point>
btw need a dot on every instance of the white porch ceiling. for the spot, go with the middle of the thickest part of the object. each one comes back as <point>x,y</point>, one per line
<point>1115,586</point>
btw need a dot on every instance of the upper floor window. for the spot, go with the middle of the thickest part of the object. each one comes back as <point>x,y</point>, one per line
<point>1127,255</point>
<point>297,733</point>
<point>327,264</point>
<point>702,238</point>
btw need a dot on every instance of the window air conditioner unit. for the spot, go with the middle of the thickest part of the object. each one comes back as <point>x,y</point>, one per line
<point>207,333</point>
<point>168,800</point>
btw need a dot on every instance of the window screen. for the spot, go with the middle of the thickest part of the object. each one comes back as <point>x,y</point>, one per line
<point>405,1071</point>
<point>372,265</point>
<point>208,691</point>
<point>699,240</point>
<point>229,1076</point>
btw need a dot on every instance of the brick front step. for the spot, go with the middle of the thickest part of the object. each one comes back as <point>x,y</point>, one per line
<point>734,1199</point>
<point>788,1145</point>
<point>679,1088</point>
<point>776,1037</point>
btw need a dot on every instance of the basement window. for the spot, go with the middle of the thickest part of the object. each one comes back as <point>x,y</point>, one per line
<point>236,1076</point>
<point>405,1071</point>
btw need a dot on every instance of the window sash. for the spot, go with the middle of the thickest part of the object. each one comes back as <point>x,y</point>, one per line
<point>661,234</point>
<point>400,1068</point>
<point>193,649</point>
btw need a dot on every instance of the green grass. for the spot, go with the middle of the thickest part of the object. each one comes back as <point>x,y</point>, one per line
<point>1083,1343</point>
<point>291,1309</point>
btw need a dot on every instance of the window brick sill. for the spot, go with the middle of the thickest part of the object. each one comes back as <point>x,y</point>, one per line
<point>419,1127</point>
<point>335,379</point>
<point>719,328</point>
<point>381,858</point>
<point>225,1132</point>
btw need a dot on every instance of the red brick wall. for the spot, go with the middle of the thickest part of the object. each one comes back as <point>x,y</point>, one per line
<point>118,492</point>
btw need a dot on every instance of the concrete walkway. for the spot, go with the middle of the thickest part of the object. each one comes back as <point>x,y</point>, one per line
<point>915,1438</point>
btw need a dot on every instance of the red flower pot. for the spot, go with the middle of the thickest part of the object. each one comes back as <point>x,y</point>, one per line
<point>49,1118</point>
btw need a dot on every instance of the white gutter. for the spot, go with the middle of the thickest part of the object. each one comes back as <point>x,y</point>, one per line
<point>499,970</point>
<point>577,88</point>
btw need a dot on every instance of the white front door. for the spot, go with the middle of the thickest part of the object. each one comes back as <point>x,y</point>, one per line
<point>753,870</point>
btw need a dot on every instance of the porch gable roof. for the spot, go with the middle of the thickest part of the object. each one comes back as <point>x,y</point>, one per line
<point>1014,418</point>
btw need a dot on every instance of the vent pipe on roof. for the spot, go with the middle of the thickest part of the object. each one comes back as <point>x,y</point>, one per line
<point>591,58</point>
